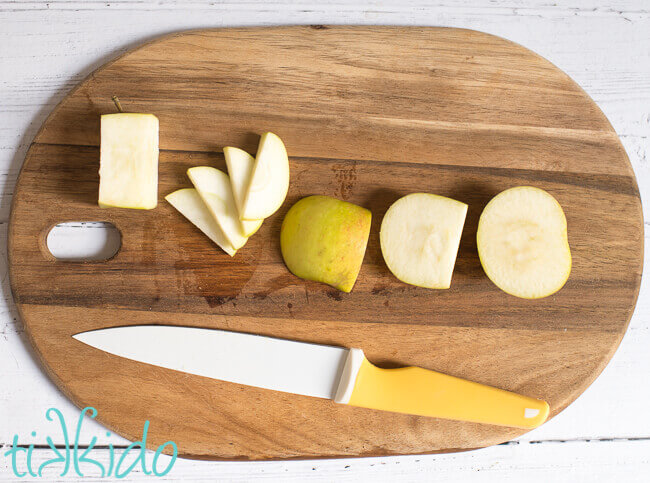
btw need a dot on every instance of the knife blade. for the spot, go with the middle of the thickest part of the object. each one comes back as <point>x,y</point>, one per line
<point>337,373</point>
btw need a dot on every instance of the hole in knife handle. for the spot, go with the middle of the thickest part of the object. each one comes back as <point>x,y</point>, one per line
<point>83,241</point>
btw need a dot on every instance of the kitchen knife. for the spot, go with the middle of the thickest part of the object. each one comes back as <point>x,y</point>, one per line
<point>337,373</point>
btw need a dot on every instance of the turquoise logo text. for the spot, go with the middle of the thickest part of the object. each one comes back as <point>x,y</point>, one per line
<point>71,457</point>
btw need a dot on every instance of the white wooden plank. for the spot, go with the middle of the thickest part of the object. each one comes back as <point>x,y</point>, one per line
<point>573,462</point>
<point>75,40</point>
<point>83,241</point>
<point>47,47</point>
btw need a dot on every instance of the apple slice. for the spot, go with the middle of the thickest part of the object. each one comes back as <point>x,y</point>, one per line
<point>270,179</point>
<point>128,161</point>
<point>214,187</point>
<point>419,237</point>
<point>240,167</point>
<point>189,203</point>
<point>523,244</point>
<point>324,239</point>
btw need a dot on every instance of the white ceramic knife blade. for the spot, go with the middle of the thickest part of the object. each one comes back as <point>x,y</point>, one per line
<point>344,375</point>
<point>279,364</point>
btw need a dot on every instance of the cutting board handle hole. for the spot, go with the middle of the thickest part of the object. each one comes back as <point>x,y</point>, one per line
<point>83,241</point>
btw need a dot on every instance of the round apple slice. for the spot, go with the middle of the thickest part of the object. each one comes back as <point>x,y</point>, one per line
<point>419,236</point>
<point>523,244</point>
<point>270,179</point>
<point>240,168</point>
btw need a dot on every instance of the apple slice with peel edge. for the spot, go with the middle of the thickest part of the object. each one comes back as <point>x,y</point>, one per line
<point>214,187</point>
<point>522,242</point>
<point>189,203</point>
<point>240,167</point>
<point>419,237</point>
<point>270,179</point>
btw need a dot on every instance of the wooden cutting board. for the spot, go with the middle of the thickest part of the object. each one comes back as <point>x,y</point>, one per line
<point>368,115</point>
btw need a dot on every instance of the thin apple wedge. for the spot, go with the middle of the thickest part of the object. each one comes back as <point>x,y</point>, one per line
<point>269,181</point>
<point>189,203</point>
<point>523,244</point>
<point>240,168</point>
<point>419,237</point>
<point>214,188</point>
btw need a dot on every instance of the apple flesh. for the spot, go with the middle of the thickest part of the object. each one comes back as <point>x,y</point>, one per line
<point>128,166</point>
<point>214,188</point>
<point>240,168</point>
<point>523,244</point>
<point>324,239</point>
<point>420,235</point>
<point>189,203</point>
<point>269,181</point>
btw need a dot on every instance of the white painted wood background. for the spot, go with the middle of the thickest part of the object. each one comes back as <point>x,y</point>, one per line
<point>48,47</point>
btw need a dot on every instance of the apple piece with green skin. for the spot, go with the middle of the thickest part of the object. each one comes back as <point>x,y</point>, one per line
<point>240,168</point>
<point>324,239</point>
<point>214,188</point>
<point>189,203</point>
<point>419,236</point>
<point>523,243</point>
<point>269,181</point>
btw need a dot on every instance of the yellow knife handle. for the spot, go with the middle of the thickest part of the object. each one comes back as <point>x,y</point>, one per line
<point>413,390</point>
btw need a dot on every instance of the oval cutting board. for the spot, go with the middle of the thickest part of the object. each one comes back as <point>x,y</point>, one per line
<point>368,115</point>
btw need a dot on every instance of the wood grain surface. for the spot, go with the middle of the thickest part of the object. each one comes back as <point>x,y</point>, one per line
<point>368,114</point>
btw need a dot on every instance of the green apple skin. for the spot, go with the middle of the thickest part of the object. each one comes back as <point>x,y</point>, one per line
<point>324,239</point>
